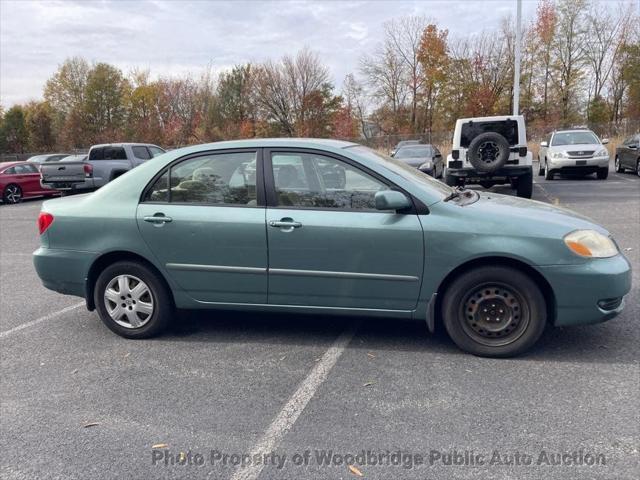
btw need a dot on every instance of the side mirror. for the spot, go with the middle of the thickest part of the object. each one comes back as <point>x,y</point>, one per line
<point>605,141</point>
<point>544,144</point>
<point>391,200</point>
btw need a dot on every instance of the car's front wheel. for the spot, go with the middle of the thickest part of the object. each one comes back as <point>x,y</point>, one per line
<point>12,194</point>
<point>602,173</point>
<point>548,174</point>
<point>494,311</point>
<point>132,301</point>
<point>619,167</point>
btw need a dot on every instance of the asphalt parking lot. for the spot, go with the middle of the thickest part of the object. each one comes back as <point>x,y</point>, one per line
<point>76,401</point>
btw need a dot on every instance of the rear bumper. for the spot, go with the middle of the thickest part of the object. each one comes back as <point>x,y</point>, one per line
<point>87,184</point>
<point>589,293</point>
<point>503,173</point>
<point>63,271</point>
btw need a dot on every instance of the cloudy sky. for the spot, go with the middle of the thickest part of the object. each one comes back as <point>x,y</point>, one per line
<point>177,37</point>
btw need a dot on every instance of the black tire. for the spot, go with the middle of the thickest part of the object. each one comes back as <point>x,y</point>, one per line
<point>12,194</point>
<point>488,152</point>
<point>511,296</point>
<point>513,183</point>
<point>540,168</point>
<point>638,167</point>
<point>602,173</point>
<point>548,174</point>
<point>524,188</point>
<point>450,180</point>
<point>161,300</point>
<point>619,167</point>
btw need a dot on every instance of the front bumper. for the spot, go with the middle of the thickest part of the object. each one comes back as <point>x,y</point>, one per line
<point>577,165</point>
<point>63,271</point>
<point>591,292</point>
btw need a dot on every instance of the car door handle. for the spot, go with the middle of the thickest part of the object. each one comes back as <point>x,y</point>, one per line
<point>284,223</point>
<point>158,219</point>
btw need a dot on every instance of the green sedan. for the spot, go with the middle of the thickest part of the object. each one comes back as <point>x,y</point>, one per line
<point>331,227</point>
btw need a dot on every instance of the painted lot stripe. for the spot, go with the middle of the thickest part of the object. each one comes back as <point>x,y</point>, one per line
<point>296,404</point>
<point>51,316</point>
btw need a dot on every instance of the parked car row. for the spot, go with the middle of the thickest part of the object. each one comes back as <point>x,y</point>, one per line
<point>52,174</point>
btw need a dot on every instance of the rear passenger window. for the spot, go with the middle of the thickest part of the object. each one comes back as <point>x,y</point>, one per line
<point>141,152</point>
<point>218,179</point>
<point>114,153</point>
<point>155,151</point>
<point>96,154</point>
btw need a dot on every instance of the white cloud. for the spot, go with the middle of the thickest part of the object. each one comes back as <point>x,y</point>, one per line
<point>178,37</point>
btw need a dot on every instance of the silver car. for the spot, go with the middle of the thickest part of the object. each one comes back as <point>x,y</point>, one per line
<point>577,151</point>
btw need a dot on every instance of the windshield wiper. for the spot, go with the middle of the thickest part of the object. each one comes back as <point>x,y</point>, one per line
<point>454,194</point>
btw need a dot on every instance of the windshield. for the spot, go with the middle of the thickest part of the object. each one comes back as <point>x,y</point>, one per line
<point>413,152</point>
<point>574,138</point>
<point>409,173</point>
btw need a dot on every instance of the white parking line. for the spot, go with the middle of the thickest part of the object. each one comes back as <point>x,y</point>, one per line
<point>51,316</point>
<point>296,404</point>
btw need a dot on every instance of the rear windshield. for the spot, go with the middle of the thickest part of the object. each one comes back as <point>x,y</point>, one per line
<point>414,152</point>
<point>507,128</point>
<point>574,138</point>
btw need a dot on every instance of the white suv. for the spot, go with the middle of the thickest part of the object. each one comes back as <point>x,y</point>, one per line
<point>577,151</point>
<point>491,151</point>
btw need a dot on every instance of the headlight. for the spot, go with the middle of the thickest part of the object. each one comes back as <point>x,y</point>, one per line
<point>602,152</point>
<point>426,165</point>
<point>589,243</point>
<point>558,155</point>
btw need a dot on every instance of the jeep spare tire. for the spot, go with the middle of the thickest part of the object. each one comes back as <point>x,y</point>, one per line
<point>488,152</point>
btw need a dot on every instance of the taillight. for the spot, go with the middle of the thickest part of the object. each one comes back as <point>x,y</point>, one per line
<point>88,170</point>
<point>44,221</point>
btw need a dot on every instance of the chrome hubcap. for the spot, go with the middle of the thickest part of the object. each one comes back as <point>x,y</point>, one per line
<point>494,314</point>
<point>13,194</point>
<point>129,301</point>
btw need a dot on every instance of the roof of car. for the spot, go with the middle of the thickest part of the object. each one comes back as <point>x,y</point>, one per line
<point>496,118</point>
<point>281,142</point>
<point>10,164</point>
<point>568,130</point>
<point>122,144</point>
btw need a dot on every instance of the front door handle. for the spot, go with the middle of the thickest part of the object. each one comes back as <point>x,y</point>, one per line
<point>158,219</point>
<point>285,223</point>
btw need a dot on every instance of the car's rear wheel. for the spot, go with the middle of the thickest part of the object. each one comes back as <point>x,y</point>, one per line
<point>494,311</point>
<point>602,173</point>
<point>619,167</point>
<point>524,187</point>
<point>132,301</point>
<point>12,194</point>
<point>638,167</point>
<point>450,180</point>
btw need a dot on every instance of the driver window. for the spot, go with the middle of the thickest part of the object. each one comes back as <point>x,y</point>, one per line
<point>216,179</point>
<point>317,181</point>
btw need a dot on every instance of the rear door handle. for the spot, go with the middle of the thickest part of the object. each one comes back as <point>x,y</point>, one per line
<point>158,219</point>
<point>284,224</point>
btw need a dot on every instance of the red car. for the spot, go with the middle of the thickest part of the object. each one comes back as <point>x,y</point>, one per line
<point>20,180</point>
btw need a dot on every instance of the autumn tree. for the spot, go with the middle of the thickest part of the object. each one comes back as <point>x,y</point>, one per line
<point>545,28</point>
<point>568,51</point>
<point>433,55</point>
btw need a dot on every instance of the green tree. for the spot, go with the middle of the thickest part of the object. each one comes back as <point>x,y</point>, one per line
<point>39,124</point>
<point>105,101</point>
<point>14,130</point>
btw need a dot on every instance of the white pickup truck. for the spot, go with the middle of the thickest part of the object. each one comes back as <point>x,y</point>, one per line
<point>103,164</point>
<point>491,151</point>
